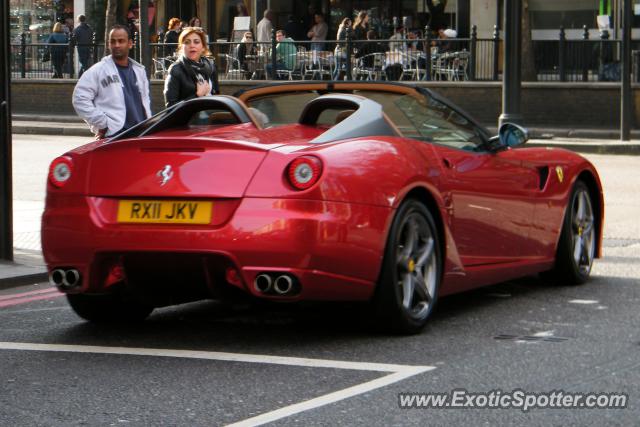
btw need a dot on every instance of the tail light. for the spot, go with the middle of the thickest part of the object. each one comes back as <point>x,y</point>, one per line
<point>60,171</point>
<point>304,171</point>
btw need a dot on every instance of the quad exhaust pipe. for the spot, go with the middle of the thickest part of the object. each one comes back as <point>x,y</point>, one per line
<point>65,278</point>
<point>263,283</point>
<point>281,284</point>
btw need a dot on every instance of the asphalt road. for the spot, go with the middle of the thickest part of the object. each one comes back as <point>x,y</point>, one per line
<point>327,361</point>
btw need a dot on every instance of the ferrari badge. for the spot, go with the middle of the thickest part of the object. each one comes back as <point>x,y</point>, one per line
<point>165,174</point>
<point>560,173</point>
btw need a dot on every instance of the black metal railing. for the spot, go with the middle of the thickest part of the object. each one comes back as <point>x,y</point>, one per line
<point>404,57</point>
<point>39,60</point>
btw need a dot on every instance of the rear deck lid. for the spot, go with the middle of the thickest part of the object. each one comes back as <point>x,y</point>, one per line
<point>157,167</point>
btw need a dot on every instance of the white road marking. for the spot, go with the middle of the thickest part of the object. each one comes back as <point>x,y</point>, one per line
<point>397,372</point>
<point>331,397</point>
<point>583,301</point>
<point>543,334</point>
<point>208,355</point>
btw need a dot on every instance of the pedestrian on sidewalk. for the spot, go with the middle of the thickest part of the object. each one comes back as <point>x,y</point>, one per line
<point>318,33</point>
<point>58,53</point>
<point>113,95</point>
<point>263,31</point>
<point>193,75</point>
<point>83,35</point>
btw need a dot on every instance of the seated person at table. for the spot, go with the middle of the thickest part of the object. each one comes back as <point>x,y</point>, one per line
<point>414,45</point>
<point>285,54</point>
<point>416,49</point>
<point>246,47</point>
<point>444,42</point>
<point>368,48</point>
<point>396,43</point>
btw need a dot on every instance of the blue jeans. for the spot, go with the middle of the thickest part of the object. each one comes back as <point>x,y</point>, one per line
<point>341,64</point>
<point>269,69</point>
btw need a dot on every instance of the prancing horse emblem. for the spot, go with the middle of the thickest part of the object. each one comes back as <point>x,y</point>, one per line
<point>560,173</point>
<point>165,174</point>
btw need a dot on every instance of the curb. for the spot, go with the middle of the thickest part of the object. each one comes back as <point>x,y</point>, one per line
<point>55,118</point>
<point>26,279</point>
<point>50,130</point>
<point>617,148</point>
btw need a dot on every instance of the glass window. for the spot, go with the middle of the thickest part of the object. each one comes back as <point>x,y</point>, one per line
<point>36,18</point>
<point>435,122</point>
<point>567,13</point>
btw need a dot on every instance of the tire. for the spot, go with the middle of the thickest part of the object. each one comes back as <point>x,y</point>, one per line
<point>577,244</point>
<point>407,290</point>
<point>108,308</point>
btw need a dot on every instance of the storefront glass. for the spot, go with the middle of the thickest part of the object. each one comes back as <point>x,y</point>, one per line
<point>35,18</point>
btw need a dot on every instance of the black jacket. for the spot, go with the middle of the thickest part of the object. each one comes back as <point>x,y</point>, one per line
<point>181,84</point>
<point>243,52</point>
<point>83,35</point>
<point>171,37</point>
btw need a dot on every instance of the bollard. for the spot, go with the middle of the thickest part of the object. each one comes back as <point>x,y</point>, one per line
<point>473,52</point>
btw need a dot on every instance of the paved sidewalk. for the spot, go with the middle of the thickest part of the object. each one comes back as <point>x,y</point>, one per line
<point>27,268</point>
<point>49,125</point>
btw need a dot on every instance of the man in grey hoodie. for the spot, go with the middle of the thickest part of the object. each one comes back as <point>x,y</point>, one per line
<point>113,95</point>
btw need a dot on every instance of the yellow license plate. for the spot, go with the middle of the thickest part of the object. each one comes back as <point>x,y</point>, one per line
<point>165,211</point>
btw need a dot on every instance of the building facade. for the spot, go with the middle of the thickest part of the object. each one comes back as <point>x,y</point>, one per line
<point>35,18</point>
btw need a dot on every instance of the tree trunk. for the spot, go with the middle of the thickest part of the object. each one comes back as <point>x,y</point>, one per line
<point>109,22</point>
<point>528,64</point>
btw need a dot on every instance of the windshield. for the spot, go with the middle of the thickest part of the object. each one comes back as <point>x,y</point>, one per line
<point>417,116</point>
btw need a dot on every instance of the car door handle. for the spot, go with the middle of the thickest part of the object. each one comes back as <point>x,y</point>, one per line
<point>447,163</point>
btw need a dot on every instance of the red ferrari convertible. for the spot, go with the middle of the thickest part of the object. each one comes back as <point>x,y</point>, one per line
<point>351,191</point>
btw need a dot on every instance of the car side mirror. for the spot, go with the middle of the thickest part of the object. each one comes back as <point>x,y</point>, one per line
<point>511,135</point>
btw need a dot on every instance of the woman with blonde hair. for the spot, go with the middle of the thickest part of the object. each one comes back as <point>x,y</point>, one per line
<point>340,52</point>
<point>361,25</point>
<point>193,75</point>
<point>57,53</point>
<point>246,47</point>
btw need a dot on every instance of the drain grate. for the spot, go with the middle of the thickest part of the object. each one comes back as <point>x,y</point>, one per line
<point>508,337</point>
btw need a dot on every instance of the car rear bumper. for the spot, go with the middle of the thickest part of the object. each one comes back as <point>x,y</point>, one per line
<point>333,249</point>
